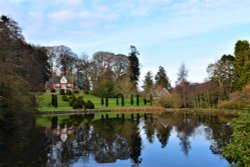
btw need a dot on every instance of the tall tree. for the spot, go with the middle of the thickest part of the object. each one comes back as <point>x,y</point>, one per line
<point>242,63</point>
<point>134,66</point>
<point>161,78</point>
<point>63,59</point>
<point>182,82</point>
<point>83,72</point>
<point>222,74</point>
<point>148,82</point>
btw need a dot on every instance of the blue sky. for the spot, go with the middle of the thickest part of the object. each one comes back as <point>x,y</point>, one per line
<point>166,32</point>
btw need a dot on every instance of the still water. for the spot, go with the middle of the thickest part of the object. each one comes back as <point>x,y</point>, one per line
<point>168,139</point>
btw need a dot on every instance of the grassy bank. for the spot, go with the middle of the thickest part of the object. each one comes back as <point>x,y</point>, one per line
<point>44,102</point>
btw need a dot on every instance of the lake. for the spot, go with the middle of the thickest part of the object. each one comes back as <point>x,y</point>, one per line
<point>146,140</point>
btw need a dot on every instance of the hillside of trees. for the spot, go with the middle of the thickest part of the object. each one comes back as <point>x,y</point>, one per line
<point>24,68</point>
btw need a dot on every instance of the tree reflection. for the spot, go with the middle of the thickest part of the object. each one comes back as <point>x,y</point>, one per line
<point>109,140</point>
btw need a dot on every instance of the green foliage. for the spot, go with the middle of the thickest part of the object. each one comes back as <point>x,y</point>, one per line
<point>64,98</point>
<point>76,91</point>
<point>62,92</point>
<point>238,150</point>
<point>137,100</point>
<point>242,64</point>
<point>123,103</point>
<point>148,82</point>
<point>222,75</point>
<point>106,101</point>
<point>71,99</point>
<point>54,101</point>
<point>68,92</point>
<point>117,101</point>
<point>162,79</point>
<point>89,105</point>
<point>106,89</point>
<point>78,103</point>
<point>52,90</point>
<point>132,100</point>
<point>102,100</point>
<point>134,66</point>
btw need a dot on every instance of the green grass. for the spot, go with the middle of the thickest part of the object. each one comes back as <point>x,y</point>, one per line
<point>44,102</point>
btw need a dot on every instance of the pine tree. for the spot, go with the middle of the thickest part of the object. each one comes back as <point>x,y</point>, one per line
<point>134,66</point>
<point>242,64</point>
<point>148,82</point>
<point>161,78</point>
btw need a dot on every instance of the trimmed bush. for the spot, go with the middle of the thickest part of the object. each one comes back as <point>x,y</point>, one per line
<point>68,92</point>
<point>52,90</point>
<point>71,100</point>
<point>76,91</point>
<point>89,105</point>
<point>78,103</point>
<point>64,98</point>
<point>62,92</point>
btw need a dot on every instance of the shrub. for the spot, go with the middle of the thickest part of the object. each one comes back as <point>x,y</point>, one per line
<point>78,103</point>
<point>71,100</point>
<point>68,92</point>
<point>76,91</point>
<point>64,98</point>
<point>166,102</point>
<point>89,105</point>
<point>52,90</point>
<point>62,92</point>
<point>230,105</point>
<point>238,150</point>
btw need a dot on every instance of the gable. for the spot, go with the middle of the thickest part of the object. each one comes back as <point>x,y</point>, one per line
<point>63,80</point>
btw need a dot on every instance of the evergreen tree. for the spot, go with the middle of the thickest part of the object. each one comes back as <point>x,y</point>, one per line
<point>117,101</point>
<point>102,101</point>
<point>107,101</point>
<point>137,100</point>
<point>148,82</point>
<point>242,64</point>
<point>123,103</point>
<point>131,100</point>
<point>134,66</point>
<point>161,78</point>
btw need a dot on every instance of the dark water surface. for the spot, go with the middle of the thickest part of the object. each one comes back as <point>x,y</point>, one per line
<point>166,140</point>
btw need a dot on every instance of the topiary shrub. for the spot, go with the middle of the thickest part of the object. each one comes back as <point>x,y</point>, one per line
<point>62,92</point>
<point>68,92</point>
<point>89,105</point>
<point>64,98</point>
<point>76,91</point>
<point>78,103</point>
<point>71,100</point>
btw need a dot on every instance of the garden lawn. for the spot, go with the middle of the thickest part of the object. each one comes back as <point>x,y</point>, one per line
<point>44,102</point>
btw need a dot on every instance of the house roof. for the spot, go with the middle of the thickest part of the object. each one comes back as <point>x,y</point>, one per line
<point>56,79</point>
<point>164,92</point>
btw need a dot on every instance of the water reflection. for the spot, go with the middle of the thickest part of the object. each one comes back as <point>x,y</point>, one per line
<point>168,139</point>
<point>109,140</point>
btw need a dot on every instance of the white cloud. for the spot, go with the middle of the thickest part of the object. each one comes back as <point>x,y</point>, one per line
<point>62,15</point>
